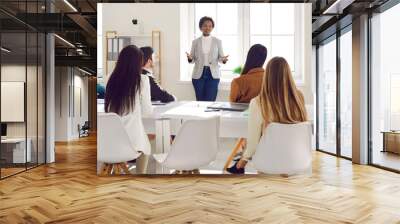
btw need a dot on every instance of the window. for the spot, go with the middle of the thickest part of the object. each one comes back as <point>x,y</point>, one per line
<point>346,94</point>
<point>394,101</point>
<point>272,25</point>
<point>327,97</point>
<point>334,98</point>
<point>226,29</point>
<point>239,26</point>
<point>385,89</point>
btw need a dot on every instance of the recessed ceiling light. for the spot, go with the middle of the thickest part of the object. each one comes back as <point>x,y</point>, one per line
<point>64,40</point>
<point>84,71</point>
<point>5,50</point>
<point>70,5</point>
<point>338,6</point>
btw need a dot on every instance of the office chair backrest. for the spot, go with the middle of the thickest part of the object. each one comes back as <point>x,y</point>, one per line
<point>86,125</point>
<point>195,145</point>
<point>284,149</point>
<point>113,144</point>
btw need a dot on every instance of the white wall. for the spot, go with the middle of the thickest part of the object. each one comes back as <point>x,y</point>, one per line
<point>61,103</point>
<point>33,126</point>
<point>167,18</point>
<point>67,82</point>
<point>16,73</point>
<point>80,82</point>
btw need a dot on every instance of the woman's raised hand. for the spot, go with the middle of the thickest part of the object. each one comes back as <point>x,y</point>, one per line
<point>189,56</point>
<point>225,59</point>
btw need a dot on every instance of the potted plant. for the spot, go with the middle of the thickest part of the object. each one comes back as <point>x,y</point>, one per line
<point>237,70</point>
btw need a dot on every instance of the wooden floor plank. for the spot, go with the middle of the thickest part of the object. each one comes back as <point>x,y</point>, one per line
<point>69,191</point>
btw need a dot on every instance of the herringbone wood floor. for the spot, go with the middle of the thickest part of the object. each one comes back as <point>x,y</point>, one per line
<point>70,192</point>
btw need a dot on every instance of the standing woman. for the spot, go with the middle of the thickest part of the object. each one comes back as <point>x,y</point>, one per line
<point>206,53</point>
<point>128,95</point>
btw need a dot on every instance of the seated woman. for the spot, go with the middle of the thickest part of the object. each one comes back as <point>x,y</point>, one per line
<point>128,95</point>
<point>279,101</point>
<point>248,84</point>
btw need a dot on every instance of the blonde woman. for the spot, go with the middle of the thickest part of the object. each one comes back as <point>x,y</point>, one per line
<point>279,101</point>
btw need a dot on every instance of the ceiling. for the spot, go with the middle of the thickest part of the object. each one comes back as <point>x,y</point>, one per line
<point>74,21</point>
<point>329,16</point>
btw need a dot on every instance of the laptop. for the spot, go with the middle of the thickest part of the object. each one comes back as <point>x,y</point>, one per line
<point>229,106</point>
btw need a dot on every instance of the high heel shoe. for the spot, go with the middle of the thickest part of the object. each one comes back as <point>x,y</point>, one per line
<point>234,170</point>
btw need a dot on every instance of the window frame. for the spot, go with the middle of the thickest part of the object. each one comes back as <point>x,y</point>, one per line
<point>244,38</point>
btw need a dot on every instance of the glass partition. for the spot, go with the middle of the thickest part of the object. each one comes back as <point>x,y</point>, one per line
<point>14,145</point>
<point>327,96</point>
<point>31,97</point>
<point>41,97</point>
<point>22,88</point>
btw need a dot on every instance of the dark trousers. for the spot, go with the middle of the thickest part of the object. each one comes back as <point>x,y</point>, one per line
<point>206,87</point>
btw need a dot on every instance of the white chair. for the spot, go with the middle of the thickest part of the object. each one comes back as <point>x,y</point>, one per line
<point>113,144</point>
<point>284,149</point>
<point>195,145</point>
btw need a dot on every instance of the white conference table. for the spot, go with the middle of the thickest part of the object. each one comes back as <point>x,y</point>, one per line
<point>166,120</point>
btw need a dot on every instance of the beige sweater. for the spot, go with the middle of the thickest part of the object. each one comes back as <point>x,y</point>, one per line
<point>255,128</point>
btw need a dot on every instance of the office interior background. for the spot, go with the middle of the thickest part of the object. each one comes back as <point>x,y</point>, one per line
<point>46,80</point>
<point>49,76</point>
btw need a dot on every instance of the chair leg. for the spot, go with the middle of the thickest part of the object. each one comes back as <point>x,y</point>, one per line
<point>125,168</point>
<point>117,170</point>
<point>177,172</point>
<point>234,152</point>
<point>109,170</point>
<point>104,170</point>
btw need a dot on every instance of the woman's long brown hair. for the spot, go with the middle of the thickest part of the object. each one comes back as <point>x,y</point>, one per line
<point>124,82</point>
<point>280,99</point>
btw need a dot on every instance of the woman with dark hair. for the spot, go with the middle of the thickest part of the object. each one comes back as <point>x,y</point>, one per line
<point>128,95</point>
<point>248,85</point>
<point>206,53</point>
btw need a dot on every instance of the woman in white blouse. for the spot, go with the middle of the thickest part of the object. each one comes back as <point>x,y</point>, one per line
<point>206,54</point>
<point>128,95</point>
<point>279,101</point>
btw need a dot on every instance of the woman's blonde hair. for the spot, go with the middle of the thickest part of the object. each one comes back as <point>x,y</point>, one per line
<point>280,100</point>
